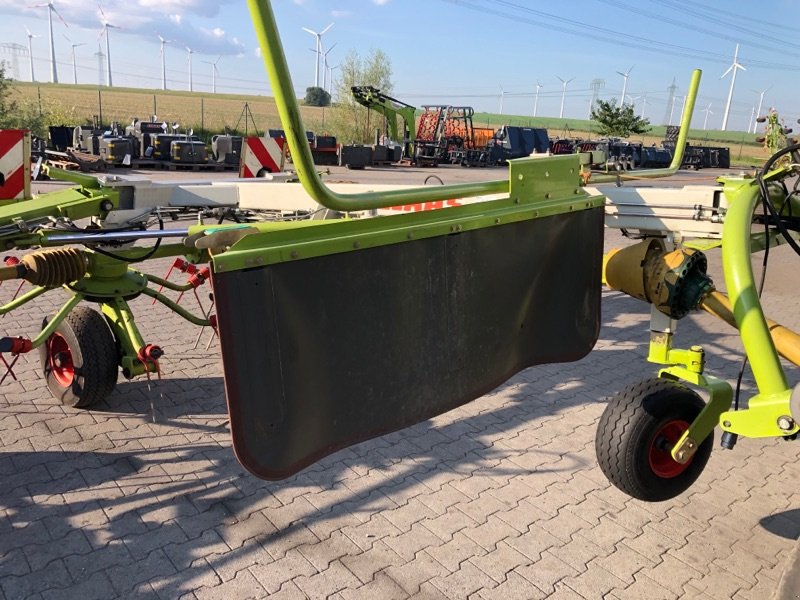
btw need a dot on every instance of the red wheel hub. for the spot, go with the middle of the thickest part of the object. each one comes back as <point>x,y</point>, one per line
<point>661,461</point>
<point>59,359</point>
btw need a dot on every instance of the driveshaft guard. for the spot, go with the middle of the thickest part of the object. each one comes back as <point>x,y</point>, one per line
<point>325,352</point>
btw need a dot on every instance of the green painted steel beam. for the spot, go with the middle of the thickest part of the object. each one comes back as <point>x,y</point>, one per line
<point>75,203</point>
<point>541,188</point>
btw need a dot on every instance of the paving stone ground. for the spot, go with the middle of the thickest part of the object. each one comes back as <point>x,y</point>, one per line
<point>500,499</point>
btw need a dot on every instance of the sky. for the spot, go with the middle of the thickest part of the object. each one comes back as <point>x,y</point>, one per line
<point>483,53</point>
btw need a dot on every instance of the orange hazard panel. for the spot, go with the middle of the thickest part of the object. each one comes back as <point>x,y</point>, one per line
<point>15,164</point>
<point>482,136</point>
<point>261,154</point>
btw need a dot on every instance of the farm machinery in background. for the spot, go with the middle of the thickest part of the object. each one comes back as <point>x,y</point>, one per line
<point>446,134</point>
<point>336,331</point>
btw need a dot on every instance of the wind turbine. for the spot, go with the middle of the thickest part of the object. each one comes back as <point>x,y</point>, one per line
<point>330,77</point>
<point>644,106</point>
<point>104,32</point>
<point>50,10</point>
<point>536,101</point>
<point>325,67</point>
<point>625,83</point>
<point>190,52</point>
<point>213,73</point>
<point>163,62</point>
<point>563,94</point>
<point>502,96</point>
<point>733,68</point>
<point>760,103</point>
<point>706,110</point>
<point>633,100</point>
<point>318,35</point>
<point>74,66</point>
<point>30,50</point>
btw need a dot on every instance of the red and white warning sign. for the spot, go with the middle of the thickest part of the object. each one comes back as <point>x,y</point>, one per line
<point>15,164</point>
<point>261,154</point>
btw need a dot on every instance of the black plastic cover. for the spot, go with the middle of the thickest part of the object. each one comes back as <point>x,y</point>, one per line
<point>322,353</point>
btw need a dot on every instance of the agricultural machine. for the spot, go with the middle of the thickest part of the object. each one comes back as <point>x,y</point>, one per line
<point>391,109</point>
<point>336,331</point>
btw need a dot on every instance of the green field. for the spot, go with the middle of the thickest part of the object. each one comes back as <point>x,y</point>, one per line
<point>211,113</point>
<point>202,111</point>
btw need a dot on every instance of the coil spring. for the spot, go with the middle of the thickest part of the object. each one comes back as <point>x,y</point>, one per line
<point>50,268</point>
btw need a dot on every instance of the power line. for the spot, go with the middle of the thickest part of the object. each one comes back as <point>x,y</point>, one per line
<point>685,24</point>
<point>608,36</point>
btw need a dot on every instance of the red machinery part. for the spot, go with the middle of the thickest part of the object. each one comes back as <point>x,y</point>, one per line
<point>15,345</point>
<point>150,353</point>
<point>200,277</point>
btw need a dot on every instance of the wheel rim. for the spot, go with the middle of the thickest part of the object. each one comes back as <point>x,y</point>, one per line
<point>59,360</point>
<point>660,457</point>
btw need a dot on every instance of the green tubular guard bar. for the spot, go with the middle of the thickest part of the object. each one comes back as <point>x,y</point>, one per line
<point>680,146</point>
<point>768,413</point>
<point>281,82</point>
<point>743,293</point>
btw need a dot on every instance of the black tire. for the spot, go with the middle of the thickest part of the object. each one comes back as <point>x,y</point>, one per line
<point>79,361</point>
<point>636,432</point>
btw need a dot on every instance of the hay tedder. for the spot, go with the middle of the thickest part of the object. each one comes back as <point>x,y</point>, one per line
<point>334,331</point>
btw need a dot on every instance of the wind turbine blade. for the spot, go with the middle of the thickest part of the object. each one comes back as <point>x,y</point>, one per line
<point>324,31</point>
<point>53,8</point>
<point>621,73</point>
<point>102,14</point>
<point>308,30</point>
<point>738,66</point>
<point>726,72</point>
<point>29,31</point>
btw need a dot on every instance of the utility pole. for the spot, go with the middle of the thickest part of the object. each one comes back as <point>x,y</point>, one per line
<point>670,103</point>
<point>596,85</point>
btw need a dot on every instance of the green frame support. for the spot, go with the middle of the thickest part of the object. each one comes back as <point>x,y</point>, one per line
<point>768,413</point>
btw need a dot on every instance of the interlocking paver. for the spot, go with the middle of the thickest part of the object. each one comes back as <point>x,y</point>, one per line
<point>500,498</point>
<point>500,562</point>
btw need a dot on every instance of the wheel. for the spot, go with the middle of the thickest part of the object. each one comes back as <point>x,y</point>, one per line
<point>636,432</point>
<point>79,360</point>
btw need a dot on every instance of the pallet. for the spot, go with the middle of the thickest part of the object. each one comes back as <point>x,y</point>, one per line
<point>66,165</point>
